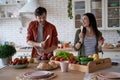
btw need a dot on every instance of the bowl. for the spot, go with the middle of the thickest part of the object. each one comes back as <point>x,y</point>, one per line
<point>19,66</point>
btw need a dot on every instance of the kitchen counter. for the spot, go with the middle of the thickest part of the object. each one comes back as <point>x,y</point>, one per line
<point>28,49</point>
<point>24,49</point>
<point>104,49</point>
<point>111,50</point>
<point>12,73</point>
<point>70,75</point>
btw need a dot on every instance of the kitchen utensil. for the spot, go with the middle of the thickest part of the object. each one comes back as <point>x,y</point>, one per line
<point>48,36</point>
<point>81,28</point>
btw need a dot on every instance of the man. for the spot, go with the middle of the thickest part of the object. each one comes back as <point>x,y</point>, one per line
<point>41,34</point>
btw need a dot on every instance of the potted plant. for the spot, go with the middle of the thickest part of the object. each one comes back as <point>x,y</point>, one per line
<point>6,52</point>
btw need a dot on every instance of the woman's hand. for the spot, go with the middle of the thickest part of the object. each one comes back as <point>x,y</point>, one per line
<point>77,46</point>
<point>81,37</point>
<point>100,43</point>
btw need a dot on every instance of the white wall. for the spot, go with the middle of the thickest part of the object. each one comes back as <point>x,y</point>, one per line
<point>12,30</point>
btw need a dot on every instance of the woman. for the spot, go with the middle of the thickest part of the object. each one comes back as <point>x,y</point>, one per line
<point>90,40</point>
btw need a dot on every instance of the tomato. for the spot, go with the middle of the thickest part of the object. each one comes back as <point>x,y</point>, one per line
<point>16,61</point>
<point>74,62</point>
<point>65,45</point>
<point>57,59</point>
<point>61,59</point>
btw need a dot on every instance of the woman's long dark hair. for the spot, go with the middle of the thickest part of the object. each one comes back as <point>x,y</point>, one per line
<point>92,22</point>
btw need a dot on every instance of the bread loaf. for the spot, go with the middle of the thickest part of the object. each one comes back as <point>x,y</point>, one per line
<point>44,65</point>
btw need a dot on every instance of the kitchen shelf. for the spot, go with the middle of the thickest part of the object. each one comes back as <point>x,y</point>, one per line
<point>6,5</point>
<point>113,18</point>
<point>114,7</point>
<point>8,18</point>
<point>98,19</point>
<point>97,8</point>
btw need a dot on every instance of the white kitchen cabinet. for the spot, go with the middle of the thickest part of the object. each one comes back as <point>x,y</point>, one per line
<point>107,12</point>
<point>79,9</point>
<point>115,56</point>
<point>112,14</point>
<point>10,10</point>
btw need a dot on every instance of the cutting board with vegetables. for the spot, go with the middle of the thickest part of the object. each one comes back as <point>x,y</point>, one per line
<point>92,65</point>
<point>81,63</point>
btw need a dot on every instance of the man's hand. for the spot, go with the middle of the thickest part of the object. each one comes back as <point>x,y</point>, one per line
<point>42,44</point>
<point>39,51</point>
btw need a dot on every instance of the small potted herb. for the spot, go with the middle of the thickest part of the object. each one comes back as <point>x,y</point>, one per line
<point>6,51</point>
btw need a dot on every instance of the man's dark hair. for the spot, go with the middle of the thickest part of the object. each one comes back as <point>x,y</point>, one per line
<point>40,10</point>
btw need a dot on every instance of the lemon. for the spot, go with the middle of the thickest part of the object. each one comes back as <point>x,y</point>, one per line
<point>90,56</point>
<point>95,56</point>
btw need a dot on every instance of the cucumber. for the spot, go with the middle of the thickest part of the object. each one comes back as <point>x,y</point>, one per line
<point>77,58</point>
<point>84,62</point>
<point>83,59</point>
<point>86,59</point>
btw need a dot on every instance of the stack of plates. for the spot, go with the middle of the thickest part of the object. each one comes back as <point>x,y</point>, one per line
<point>38,74</point>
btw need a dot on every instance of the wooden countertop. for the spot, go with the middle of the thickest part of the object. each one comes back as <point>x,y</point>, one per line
<point>111,50</point>
<point>71,50</point>
<point>8,73</point>
<point>104,50</point>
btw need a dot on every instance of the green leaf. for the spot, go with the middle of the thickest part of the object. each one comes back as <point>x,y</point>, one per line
<point>7,51</point>
<point>69,9</point>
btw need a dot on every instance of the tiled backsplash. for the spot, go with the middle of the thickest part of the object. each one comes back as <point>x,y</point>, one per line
<point>12,30</point>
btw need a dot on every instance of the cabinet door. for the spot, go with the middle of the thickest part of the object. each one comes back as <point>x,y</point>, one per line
<point>79,10</point>
<point>113,14</point>
<point>96,7</point>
